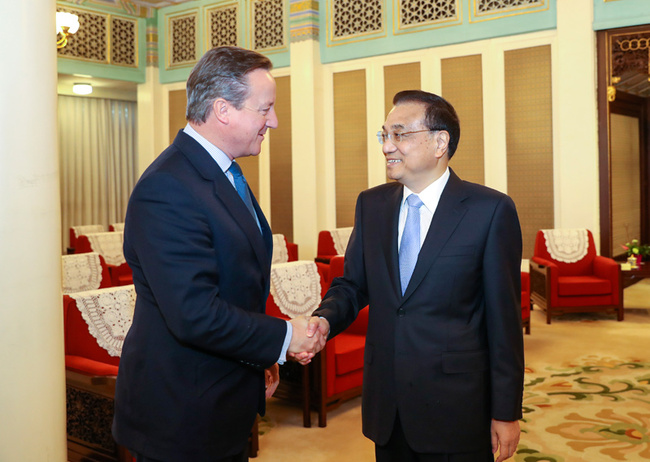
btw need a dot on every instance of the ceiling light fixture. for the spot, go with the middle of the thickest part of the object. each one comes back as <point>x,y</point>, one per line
<point>82,88</point>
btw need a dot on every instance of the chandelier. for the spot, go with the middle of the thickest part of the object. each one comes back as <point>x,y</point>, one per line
<point>66,25</point>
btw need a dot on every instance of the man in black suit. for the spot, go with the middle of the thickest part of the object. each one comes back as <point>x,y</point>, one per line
<point>192,371</point>
<point>443,375</point>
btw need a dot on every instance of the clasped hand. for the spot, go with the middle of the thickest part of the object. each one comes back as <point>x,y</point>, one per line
<point>309,337</point>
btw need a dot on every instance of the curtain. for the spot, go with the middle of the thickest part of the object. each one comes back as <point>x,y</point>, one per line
<point>98,158</point>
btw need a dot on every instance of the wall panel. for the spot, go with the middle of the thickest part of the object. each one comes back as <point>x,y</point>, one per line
<point>350,142</point>
<point>462,86</point>
<point>177,105</point>
<point>397,78</point>
<point>280,157</point>
<point>529,139</point>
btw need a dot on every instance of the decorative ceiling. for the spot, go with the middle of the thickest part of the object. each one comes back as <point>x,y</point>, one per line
<point>157,3</point>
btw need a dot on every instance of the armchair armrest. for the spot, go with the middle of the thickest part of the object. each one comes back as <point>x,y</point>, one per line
<point>324,258</point>
<point>543,276</point>
<point>541,262</point>
<point>606,268</point>
<point>609,269</point>
<point>360,325</point>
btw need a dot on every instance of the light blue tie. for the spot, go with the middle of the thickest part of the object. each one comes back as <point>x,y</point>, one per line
<point>242,188</point>
<point>410,246</point>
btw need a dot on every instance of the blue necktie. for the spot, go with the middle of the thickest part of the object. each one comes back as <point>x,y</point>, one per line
<point>242,188</point>
<point>410,246</point>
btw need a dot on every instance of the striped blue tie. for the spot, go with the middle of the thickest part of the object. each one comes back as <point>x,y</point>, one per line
<point>410,245</point>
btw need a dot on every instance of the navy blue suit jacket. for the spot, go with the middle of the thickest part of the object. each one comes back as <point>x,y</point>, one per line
<point>448,355</point>
<point>191,375</point>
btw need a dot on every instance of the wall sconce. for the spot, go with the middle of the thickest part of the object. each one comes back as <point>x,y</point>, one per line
<point>82,88</point>
<point>66,25</point>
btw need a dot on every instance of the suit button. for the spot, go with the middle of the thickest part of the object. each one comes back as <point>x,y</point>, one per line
<point>401,312</point>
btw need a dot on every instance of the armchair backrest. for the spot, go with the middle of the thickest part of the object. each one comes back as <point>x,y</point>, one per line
<point>116,227</point>
<point>84,271</point>
<point>97,321</point>
<point>333,242</point>
<point>584,257</point>
<point>107,244</point>
<point>78,339</point>
<point>76,231</point>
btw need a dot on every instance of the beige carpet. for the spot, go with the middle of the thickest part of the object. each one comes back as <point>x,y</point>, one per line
<point>587,397</point>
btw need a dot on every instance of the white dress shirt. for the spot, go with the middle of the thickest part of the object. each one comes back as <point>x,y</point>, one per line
<point>430,196</point>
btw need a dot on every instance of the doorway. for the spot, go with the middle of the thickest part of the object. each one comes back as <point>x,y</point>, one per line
<point>624,137</point>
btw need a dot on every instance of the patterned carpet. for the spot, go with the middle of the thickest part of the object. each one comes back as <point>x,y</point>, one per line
<point>597,408</point>
<point>587,386</point>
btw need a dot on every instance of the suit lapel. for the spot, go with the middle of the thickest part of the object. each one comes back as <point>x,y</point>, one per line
<point>448,214</point>
<point>390,209</point>
<point>227,194</point>
<point>231,200</point>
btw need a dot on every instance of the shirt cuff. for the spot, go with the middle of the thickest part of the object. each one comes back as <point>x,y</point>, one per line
<point>287,342</point>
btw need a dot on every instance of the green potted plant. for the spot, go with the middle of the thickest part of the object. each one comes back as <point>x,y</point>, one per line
<point>637,250</point>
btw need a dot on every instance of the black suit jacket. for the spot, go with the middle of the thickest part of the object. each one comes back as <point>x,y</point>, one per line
<point>448,355</point>
<point>191,376</point>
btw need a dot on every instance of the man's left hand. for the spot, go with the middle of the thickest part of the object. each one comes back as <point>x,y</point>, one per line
<point>505,437</point>
<point>272,379</point>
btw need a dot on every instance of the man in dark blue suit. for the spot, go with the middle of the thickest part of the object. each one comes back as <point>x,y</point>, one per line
<point>193,365</point>
<point>438,259</point>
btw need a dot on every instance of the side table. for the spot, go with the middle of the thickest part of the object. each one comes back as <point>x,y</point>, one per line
<point>632,276</point>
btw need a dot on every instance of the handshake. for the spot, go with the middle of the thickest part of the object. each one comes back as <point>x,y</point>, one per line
<point>309,337</point>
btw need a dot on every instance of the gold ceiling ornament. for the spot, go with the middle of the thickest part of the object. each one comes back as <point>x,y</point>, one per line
<point>66,25</point>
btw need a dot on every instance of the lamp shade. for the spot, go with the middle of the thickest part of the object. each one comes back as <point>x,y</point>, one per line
<point>67,23</point>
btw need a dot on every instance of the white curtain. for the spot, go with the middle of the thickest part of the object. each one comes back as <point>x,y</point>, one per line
<point>97,150</point>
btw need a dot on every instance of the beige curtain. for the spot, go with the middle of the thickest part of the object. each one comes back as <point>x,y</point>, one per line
<point>97,150</point>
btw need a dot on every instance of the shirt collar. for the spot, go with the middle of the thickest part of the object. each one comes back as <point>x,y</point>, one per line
<point>217,154</point>
<point>430,196</point>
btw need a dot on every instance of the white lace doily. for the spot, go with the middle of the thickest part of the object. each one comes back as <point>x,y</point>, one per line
<point>80,272</point>
<point>341,236</point>
<point>108,313</point>
<point>118,226</point>
<point>295,287</point>
<point>280,252</point>
<point>85,229</point>
<point>567,245</point>
<point>108,245</point>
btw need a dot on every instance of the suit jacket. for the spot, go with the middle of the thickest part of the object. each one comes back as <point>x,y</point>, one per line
<point>448,355</point>
<point>191,375</point>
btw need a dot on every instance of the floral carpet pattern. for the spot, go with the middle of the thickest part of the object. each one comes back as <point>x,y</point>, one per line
<point>596,408</point>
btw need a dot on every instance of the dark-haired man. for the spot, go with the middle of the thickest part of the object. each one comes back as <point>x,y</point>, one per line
<point>192,371</point>
<point>438,259</point>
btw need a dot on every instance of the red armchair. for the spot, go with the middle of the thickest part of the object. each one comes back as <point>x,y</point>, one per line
<point>589,283</point>
<point>340,375</point>
<point>336,373</point>
<point>121,274</point>
<point>76,231</point>
<point>291,248</point>
<point>525,301</point>
<point>327,249</point>
<point>90,378</point>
